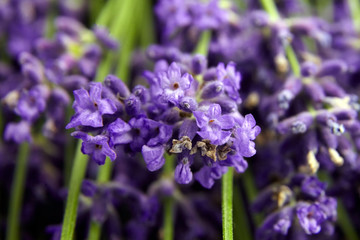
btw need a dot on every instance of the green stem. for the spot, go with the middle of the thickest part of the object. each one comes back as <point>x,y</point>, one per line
<point>104,175</point>
<point>271,9</point>
<point>147,30</point>
<point>168,201</point>
<point>203,45</point>
<point>354,7</point>
<point>77,176</point>
<point>227,204</point>
<point>17,193</point>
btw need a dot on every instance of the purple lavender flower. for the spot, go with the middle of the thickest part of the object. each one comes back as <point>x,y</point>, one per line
<point>153,157</point>
<point>244,136</point>
<point>90,107</point>
<point>231,80</point>
<point>18,132</point>
<point>173,84</point>
<point>33,102</point>
<point>119,132</point>
<point>213,125</point>
<point>95,146</point>
<point>310,217</point>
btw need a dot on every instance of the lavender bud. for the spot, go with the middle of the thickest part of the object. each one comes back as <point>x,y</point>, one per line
<point>198,64</point>
<point>212,90</point>
<point>188,104</point>
<point>117,86</point>
<point>308,69</point>
<point>332,68</point>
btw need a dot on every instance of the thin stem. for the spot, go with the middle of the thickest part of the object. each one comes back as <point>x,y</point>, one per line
<point>354,6</point>
<point>227,204</point>
<point>203,45</point>
<point>77,176</point>
<point>168,201</point>
<point>147,30</point>
<point>17,193</point>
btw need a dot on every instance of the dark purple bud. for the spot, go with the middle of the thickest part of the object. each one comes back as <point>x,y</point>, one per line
<point>119,132</point>
<point>284,98</point>
<point>198,64</point>
<point>142,93</point>
<point>296,124</point>
<point>183,174</point>
<point>212,90</point>
<point>74,82</point>
<point>188,104</point>
<point>88,188</point>
<point>153,157</point>
<point>333,89</point>
<point>315,91</point>
<point>133,105</point>
<point>104,37</point>
<point>332,68</point>
<point>18,132</point>
<point>312,187</point>
<point>155,52</point>
<point>308,69</point>
<point>210,74</point>
<point>31,68</point>
<point>117,86</point>
<point>69,26</point>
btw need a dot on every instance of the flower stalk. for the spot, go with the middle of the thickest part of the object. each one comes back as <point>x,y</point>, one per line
<point>17,193</point>
<point>227,204</point>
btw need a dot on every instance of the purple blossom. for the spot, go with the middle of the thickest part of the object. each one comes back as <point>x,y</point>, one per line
<point>97,147</point>
<point>213,124</point>
<point>244,134</point>
<point>231,80</point>
<point>313,187</point>
<point>153,157</point>
<point>18,132</point>
<point>310,217</point>
<point>119,132</point>
<point>32,103</point>
<point>173,84</point>
<point>90,107</point>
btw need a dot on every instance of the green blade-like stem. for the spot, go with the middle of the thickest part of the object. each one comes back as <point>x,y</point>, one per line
<point>77,176</point>
<point>227,204</point>
<point>17,193</point>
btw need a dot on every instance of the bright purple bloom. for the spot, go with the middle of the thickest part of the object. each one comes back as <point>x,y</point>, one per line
<point>310,217</point>
<point>213,124</point>
<point>119,132</point>
<point>173,84</point>
<point>245,133</point>
<point>90,106</point>
<point>95,146</point>
<point>231,79</point>
<point>313,187</point>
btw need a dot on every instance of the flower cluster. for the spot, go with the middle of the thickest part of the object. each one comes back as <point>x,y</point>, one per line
<point>187,111</point>
<point>58,66</point>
